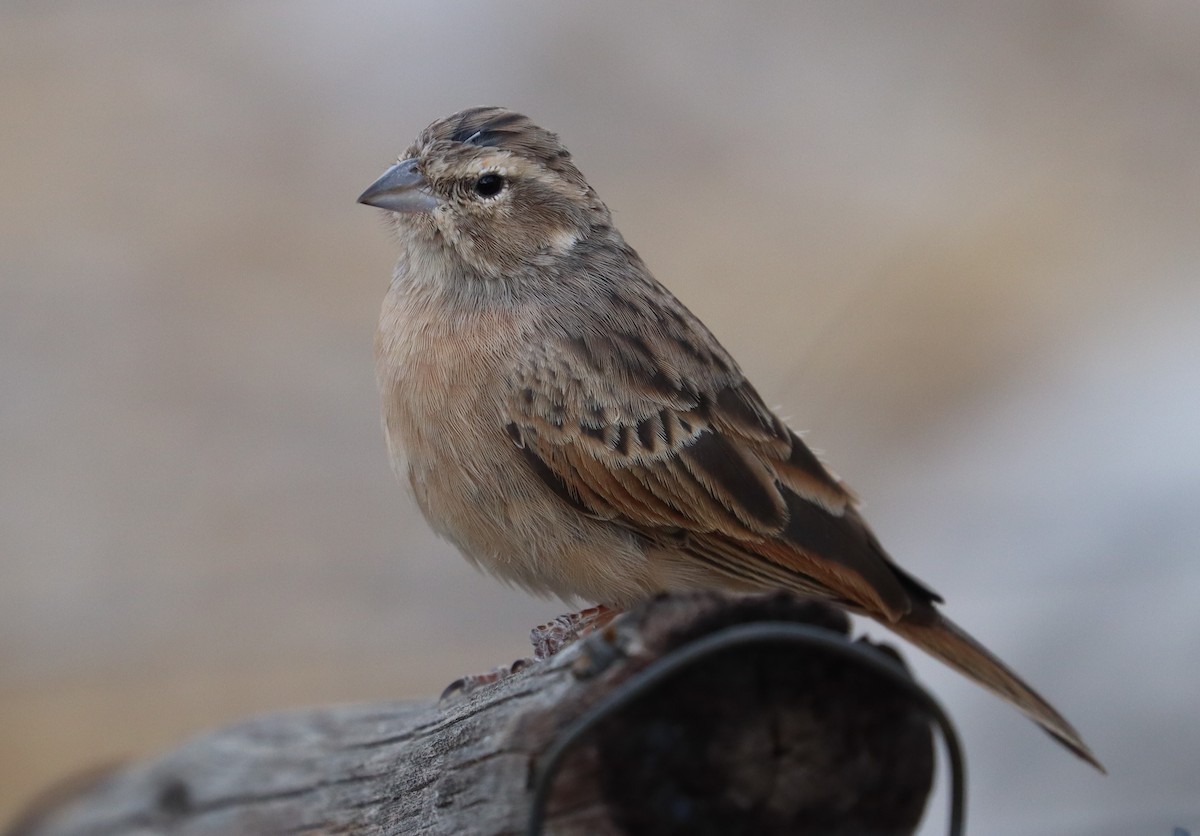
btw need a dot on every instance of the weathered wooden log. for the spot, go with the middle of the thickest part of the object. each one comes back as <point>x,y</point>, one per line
<point>760,738</point>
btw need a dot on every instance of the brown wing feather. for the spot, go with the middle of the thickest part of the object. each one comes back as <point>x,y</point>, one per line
<point>652,433</point>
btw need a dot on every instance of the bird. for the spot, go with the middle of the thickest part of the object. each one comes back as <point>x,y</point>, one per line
<point>567,423</point>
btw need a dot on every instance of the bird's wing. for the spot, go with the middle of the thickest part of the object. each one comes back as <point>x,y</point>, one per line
<point>657,430</point>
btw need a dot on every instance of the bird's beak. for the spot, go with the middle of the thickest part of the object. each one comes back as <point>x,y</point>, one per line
<point>402,188</point>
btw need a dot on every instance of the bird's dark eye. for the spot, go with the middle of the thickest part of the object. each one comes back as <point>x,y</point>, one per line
<point>489,185</point>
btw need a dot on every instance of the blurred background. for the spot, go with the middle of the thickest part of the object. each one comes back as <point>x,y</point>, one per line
<point>957,244</point>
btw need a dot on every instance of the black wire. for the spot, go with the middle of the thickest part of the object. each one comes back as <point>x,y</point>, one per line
<point>763,631</point>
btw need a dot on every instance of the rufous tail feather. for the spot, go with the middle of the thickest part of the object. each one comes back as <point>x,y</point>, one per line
<point>942,638</point>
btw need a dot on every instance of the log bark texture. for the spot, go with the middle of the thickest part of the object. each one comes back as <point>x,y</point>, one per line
<point>760,739</point>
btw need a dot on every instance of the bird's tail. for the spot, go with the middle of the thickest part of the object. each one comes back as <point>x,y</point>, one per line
<point>942,638</point>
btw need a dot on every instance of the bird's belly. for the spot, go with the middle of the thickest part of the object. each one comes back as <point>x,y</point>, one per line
<point>504,521</point>
<point>443,418</point>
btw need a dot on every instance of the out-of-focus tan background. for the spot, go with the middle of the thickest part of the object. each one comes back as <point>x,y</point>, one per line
<point>959,245</point>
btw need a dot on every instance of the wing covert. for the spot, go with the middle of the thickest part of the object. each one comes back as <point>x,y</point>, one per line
<point>661,437</point>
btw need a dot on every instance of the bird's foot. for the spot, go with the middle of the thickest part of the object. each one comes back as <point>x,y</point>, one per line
<point>551,637</point>
<point>547,639</point>
<point>467,684</point>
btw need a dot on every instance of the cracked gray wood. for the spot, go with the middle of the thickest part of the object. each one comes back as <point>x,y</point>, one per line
<point>763,739</point>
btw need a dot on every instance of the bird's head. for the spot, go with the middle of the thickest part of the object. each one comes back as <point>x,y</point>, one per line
<point>487,192</point>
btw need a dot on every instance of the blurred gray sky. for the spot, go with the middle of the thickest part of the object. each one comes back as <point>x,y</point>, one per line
<point>957,244</point>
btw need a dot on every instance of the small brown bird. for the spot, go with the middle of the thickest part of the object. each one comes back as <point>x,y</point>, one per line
<point>567,423</point>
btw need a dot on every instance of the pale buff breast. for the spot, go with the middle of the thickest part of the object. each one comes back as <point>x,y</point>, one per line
<point>443,373</point>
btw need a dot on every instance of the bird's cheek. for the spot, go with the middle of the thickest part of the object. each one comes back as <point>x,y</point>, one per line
<point>441,217</point>
<point>501,240</point>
